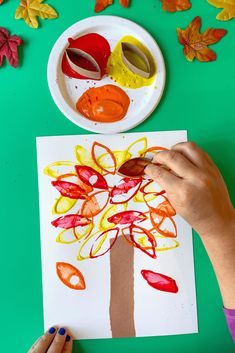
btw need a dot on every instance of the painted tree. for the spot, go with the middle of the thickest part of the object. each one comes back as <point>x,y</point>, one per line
<point>99,210</point>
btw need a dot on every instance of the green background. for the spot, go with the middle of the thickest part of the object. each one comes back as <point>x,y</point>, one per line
<point>198,97</point>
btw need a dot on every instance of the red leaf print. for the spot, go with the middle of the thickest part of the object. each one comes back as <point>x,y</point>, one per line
<point>71,221</point>
<point>9,47</point>
<point>128,188</point>
<point>160,281</point>
<point>91,177</point>
<point>70,190</point>
<point>127,217</point>
<point>135,231</point>
<point>112,233</point>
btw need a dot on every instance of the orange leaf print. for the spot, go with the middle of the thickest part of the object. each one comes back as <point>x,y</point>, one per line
<point>196,43</point>
<point>70,276</point>
<point>175,5</point>
<point>94,204</point>
<point>100,5</point>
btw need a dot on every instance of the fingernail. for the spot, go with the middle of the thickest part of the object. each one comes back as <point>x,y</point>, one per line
<point>52,330</point>
<point>61,331</point>
<point>68,338</point>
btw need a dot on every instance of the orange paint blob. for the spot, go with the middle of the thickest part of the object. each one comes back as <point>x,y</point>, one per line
<point>104,104</point>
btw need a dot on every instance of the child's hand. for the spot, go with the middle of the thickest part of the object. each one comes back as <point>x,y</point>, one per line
<point>194,186</point>
<point>53,341</point>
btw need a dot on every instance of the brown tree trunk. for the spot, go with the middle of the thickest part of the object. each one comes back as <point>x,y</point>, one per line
<point>122,290</point>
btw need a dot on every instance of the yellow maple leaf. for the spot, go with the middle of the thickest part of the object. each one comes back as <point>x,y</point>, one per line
<point>228,7</point>
<point>29,10</point>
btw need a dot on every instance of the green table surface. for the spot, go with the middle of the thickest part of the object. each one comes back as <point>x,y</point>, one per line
<point>199,97</point>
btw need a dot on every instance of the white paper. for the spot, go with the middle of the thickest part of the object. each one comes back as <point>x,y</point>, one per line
<point>86,312</point>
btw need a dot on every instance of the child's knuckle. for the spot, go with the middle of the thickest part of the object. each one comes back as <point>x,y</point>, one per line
<point>172,156</point>
<point>191,145</point>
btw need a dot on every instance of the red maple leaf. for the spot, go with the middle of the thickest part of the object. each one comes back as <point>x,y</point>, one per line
<point>9,47</point>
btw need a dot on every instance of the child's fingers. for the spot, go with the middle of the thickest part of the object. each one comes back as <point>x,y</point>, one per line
<point>43,343</point>
<point>68,347</point>
<point>176,162</point>
<point>163,177</point>
<point>58,343</point>
<point>34,346</point>
<point>193,153</point>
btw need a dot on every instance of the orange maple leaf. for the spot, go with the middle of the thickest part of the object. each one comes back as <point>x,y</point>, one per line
<point>124,3</point>
<point>175,5</point>
<point>100,5</point>
<point>195,43</point>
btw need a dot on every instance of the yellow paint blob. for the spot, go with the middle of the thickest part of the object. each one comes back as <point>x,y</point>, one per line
<point>120,73</point>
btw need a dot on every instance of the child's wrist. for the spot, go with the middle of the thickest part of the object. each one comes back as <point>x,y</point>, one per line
<point>220,228</point>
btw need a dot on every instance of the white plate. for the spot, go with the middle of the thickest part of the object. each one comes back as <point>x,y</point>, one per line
<point>63,89</point>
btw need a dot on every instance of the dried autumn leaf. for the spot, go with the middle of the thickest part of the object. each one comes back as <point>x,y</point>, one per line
<point>228,7</point>
<point>195,43</point>
<point>29,10</point>
<point>8,47</point>
<point>124,3</point>
<point>175,5</point>
<point>100,5</point>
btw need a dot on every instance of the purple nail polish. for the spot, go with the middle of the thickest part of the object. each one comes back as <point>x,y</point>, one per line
<point>61,331</point>
<point>68,338</point>
<point>52,330</point>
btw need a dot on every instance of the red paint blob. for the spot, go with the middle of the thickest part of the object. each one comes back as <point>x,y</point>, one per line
<point>93,44</point>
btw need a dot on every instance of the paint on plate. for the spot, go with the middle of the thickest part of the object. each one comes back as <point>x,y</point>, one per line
<point>104,104</point>
<point>96,46</point>
<point>120,73</point>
